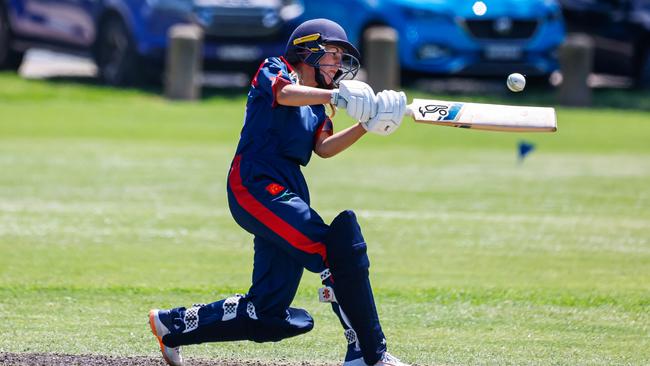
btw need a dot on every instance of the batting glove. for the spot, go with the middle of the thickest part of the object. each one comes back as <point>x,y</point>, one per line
<point>391,106</point>
<point>357,98</point>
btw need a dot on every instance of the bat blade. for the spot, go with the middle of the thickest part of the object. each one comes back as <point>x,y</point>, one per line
<point>492,117</point>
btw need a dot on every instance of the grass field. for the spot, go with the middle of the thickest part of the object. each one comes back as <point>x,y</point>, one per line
<point>113,202</point>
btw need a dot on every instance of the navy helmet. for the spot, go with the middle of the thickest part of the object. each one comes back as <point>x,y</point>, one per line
<point>307,44</point>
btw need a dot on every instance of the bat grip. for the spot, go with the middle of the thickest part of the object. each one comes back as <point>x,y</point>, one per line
<point>409,110</point>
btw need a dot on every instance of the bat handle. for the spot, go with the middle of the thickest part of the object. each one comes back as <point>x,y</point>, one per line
<point>409,110</point>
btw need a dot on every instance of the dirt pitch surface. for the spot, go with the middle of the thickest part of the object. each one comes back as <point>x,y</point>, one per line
<point>54,359</point>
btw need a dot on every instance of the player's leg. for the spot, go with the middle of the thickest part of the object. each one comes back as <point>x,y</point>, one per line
<point>353,355</point>
<point>269,210</point>
<point>252,204</point>
<point>278,214</point>
<point>350,283</point>
<point>263,315</point>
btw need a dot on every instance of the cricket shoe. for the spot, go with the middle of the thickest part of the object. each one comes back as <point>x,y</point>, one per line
<point>172,355</point>
<point>355,362</point>
<point>389,360</point>
<point>386,360</point>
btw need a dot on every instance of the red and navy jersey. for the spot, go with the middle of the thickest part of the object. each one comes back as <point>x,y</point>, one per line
<point>275,130</point>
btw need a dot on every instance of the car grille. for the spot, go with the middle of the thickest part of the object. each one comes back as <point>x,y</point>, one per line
<point>502,28</point>
<point>243,23</point>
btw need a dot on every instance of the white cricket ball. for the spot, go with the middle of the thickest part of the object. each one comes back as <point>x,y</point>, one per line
<point>516,82</point>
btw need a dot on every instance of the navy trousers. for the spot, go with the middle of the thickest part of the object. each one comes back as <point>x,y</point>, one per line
<point>269,198</point>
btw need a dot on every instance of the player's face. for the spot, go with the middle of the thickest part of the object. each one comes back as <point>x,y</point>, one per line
<point>330,62</point>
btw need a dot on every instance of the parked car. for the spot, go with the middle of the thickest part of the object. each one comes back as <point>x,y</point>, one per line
<point>452,37</point>
<point>621,33</point>
<point>128,38</point>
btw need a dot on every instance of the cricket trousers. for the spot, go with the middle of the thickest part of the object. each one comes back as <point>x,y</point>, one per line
<point>269,198</point>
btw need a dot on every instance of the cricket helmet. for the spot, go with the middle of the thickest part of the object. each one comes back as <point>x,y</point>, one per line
<point>307,44</point>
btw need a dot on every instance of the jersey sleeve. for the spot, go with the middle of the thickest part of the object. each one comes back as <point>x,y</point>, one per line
<point>273,74</point>
<point>324,126</point>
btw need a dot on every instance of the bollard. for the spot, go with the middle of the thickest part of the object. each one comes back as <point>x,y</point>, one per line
<point>576,62</point>
<point>183,64</point>
<point>382,62</point>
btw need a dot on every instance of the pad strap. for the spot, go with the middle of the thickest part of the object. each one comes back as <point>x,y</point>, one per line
<point>230,307</point>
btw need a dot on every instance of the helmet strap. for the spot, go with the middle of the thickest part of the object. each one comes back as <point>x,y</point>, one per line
<point>320,80</point>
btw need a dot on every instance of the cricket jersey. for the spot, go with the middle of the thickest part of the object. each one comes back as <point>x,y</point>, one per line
<point>275,130</point>
<point>267,192</point>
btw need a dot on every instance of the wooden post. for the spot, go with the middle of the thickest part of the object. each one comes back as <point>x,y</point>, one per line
<point>183,64</point>
<point>576,63</point>
<point>381,58</point>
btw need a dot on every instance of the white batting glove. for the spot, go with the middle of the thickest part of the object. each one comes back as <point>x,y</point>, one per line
<point>357,98</point>
<point>391,106</point>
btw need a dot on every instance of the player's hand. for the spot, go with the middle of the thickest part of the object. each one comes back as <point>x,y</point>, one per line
<point>357,98</point>
<point>391,106</point>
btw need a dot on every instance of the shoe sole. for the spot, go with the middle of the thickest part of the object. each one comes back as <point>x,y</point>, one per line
<point>152,324</point>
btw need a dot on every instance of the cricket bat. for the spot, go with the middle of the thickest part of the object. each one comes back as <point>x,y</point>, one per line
<point>492,117</point>
<point>479,116</point>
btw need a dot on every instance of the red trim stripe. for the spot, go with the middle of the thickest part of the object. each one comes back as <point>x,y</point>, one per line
<point>289,67</point>
<point>278,83</point>
<point>321,129</point>
<point>254,81</point>
<point>254,207</point>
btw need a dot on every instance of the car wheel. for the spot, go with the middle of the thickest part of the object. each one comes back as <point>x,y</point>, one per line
<point>9,59</point>
<point>116,57</point>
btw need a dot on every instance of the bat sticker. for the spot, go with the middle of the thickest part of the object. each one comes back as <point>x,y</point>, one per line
<point>433,108</point>
<point>441,112</point>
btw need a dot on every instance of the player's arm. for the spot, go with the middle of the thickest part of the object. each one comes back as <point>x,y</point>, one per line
<point>328,145</point>
<point>298,95</point>
<point>357,97</point>
<point>389,111</point>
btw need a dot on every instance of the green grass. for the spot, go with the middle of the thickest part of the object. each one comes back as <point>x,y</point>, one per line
<point>113,202</point>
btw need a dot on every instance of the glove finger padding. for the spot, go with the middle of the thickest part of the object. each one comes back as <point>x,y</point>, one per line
<point>400,109</point>
<point>360,98</point>
<point>353,106</point>
<point>394,105</point>
<point>391,106</point>
<point>370,105</point>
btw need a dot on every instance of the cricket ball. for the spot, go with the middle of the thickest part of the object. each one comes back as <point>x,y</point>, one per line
<point>516,82</point>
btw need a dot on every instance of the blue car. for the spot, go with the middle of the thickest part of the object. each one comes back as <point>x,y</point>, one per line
<point>458,37</point>
<point>128,38</point>
<point>620,31</point>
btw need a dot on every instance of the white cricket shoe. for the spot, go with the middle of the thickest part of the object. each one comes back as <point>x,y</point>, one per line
<point>355,362</point>
<point>386,360</point>
<point>172,355</point>
<point>389,360</point>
